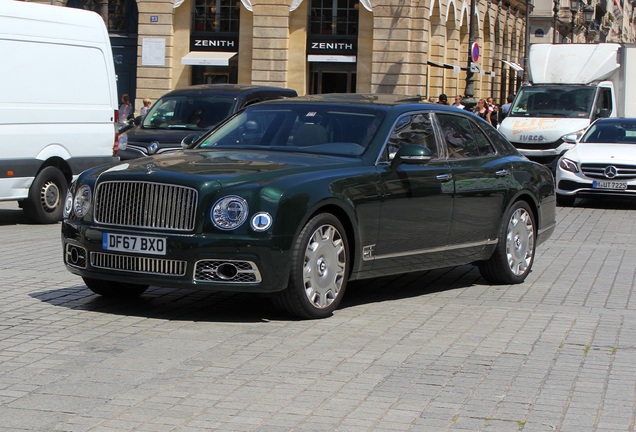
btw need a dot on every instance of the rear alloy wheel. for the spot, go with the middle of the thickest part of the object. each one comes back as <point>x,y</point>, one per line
<point>46,196</point>
<point>319,269</point>
<point>114,289</point>
<point>512,259</point>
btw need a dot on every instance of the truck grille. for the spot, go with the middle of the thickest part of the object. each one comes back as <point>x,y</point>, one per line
<point>138,264</point>
<point>623,172</point>
<point>146,205</point>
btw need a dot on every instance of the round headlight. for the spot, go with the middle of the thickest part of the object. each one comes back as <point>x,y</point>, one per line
<point>83,200</point>
<point>68,204</point>
<point>229,212</point>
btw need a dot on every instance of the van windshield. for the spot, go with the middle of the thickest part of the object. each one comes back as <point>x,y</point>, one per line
<point>189,112</point>
<point>553,101</point>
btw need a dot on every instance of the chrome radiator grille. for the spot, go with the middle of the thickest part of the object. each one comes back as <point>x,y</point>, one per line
<point>146,205</point>
<point>138,264</point>
<point>621,171</point>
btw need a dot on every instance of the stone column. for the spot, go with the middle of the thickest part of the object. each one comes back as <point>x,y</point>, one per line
<point>270,50</point>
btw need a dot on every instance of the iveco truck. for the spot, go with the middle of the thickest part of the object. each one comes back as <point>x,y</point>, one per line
<point>570,86</point>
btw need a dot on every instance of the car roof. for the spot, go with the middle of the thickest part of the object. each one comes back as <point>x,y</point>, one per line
<point>230,89</point>
<point>615,120</point>
<point>387,101</point>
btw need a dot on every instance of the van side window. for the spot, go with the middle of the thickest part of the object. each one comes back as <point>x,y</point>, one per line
<point>604,100</point>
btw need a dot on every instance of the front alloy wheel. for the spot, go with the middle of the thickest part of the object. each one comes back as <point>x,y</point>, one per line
<point>512,259</point>
<point>320,265</point>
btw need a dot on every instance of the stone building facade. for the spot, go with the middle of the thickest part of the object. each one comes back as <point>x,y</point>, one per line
<point>414,47</point>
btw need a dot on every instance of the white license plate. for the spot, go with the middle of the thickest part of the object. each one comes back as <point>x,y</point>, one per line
<point>609,184</point>
<point>134,244</point>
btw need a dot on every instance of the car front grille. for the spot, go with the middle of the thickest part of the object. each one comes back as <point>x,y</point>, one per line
<point>145,205</point>
<point>622,172</point>
<point>539,145</point>
<point>226,271</point>
<point>138,264</point>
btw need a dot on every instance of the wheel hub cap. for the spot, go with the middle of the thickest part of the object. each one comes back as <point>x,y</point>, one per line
<point>324,266</point>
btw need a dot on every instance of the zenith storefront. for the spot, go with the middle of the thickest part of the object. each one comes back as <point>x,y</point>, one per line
<point>231,41</point>
<point>320,46</point>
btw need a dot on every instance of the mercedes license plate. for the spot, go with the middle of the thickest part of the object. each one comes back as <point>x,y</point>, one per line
<point>134,244</point>
<point>609,184</point>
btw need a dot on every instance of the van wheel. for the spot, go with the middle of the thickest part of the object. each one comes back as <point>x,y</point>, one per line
<point>114,289</point>
<point>46,196</point>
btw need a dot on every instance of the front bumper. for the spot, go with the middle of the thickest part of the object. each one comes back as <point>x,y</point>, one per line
<point>578,185</point>
<point>546,153</point>
<point>199,261</point>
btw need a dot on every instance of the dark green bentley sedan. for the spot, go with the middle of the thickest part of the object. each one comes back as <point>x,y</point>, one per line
<point>299,196</point>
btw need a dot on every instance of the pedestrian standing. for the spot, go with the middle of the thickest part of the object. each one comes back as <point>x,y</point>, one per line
<point>144,110</point>
<point>481,110</point>
<point>505,108</point>
<point>443,99</point>
<point>458,102</point>
<point>126,110</point>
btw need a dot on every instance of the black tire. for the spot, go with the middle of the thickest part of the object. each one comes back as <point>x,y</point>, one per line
<point>114,289</point>
<point>319,269</point>
<point>565,200</point>
<point>45,203</point>
<point>512,259</point>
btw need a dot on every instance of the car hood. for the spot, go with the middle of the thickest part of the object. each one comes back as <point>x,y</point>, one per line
<point>223,166</point>
<point>533,130</point>
<point>603,153</point>
<point>163,137</point>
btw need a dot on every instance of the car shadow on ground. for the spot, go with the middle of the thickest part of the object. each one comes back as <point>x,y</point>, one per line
<point>196,305</point>
<point>607,203</point>
<point>13,217</point>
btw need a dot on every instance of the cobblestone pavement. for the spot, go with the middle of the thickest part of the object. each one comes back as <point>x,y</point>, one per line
<point>432,351</point>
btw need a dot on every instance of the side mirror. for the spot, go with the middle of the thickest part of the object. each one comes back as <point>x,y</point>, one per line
<point>138,120</point>
<point>189,141</point>
<point>411,154</point>
<point>603,113</point>
<point>570,139</point>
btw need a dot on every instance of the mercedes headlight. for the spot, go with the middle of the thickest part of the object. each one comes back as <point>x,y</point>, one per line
<point>569,165</point>
<point>83,200</point>
<point>229,212</point>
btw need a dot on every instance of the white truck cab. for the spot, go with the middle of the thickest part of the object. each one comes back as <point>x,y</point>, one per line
<point>570,86</point>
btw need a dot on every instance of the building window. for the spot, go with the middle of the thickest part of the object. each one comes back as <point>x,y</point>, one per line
<point>122,14</point>
<point>334,17</point>
<point>217,16</point>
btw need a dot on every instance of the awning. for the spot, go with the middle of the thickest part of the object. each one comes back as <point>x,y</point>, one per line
<point>514,66</point>
<point>325,58</point>
<point>207,58</point>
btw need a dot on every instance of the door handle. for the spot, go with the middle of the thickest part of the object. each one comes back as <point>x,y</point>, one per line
<point>502,173</point>
<point>444,177</point>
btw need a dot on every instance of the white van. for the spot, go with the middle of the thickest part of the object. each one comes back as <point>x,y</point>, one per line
<point>58,103</point>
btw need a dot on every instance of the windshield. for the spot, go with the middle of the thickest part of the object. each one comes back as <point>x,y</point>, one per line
<point>190,112</point>
<point>553,101</point>
<point>313,128</point>
<point>611,132</point>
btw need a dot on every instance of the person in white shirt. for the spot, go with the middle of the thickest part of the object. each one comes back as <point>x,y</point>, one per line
<point>458,102</point>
